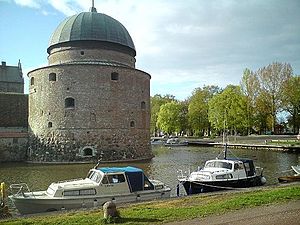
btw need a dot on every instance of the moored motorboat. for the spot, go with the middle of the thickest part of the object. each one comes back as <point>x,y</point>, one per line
<point>223,174</point>
<point>118,184</point>
<point>292,178</point>
<point>175,142</point>
<point>288,179</point>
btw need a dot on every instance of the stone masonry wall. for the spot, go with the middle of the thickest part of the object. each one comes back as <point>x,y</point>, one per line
<point>13,110</point>
<point>71,54</point>
<point>109,121</point>
<point>13,148</point>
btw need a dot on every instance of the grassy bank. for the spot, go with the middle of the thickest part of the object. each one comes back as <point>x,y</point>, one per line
<point>172,210</point>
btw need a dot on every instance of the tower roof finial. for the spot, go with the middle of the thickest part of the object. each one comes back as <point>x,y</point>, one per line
<point>93,9</point>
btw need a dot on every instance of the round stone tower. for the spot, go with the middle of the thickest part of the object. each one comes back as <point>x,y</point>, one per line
<point>89,103</point>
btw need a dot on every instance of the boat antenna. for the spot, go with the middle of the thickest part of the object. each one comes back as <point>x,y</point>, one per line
<point>98,163</point>
<point>225,150</point>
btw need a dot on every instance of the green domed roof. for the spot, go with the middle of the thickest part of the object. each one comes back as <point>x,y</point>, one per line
<point>91,26</point>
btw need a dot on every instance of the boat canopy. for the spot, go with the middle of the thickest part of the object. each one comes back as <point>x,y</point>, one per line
<point>249,165</point>
<point>128,169</point>
<point>137,180</point>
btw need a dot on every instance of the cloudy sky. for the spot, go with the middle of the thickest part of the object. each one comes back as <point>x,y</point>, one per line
<point>183,44</point>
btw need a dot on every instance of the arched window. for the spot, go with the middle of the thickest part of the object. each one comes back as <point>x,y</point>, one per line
<point>69,103</point>
<point>143,105</point>
<point>49,124</point>
<point>52,77</point>
<point>132,124</point>
<point>32,81</point>
<point>87,152</point>
<point>114,76</point>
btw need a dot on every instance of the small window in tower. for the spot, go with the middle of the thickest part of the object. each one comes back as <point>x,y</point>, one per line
<point>82,53</point>
<point>132,124</point>
<point>32,81</point>
<point>69,103</point>
<point>52,77</point>
<point>114,76</point>
<point>143,105</point>
<point>49,124</point>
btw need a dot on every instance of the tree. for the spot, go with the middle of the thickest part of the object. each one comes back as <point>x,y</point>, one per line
<point>156,102</point>
<point>272,78</point>
<point>250,88</point>
<point>291,101</point>
<point>227,110</point>
<point>171,117</point>
<point>198,109</point>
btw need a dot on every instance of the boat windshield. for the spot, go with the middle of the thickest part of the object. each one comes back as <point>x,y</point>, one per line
<point>218,164</point>
<point>95,176</point>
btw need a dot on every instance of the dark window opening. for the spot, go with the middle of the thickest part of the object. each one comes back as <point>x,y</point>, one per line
<point>143,105</point>
<point>82,53</point>
<point>87,152</point>
<point>69,103</point>
<point>113,179</point>
<point>49,124</point>
<point>15,140</point>
<point>52,77</point>
<point>132,124</point>
<point>114,76</point>
<point>32,81</point>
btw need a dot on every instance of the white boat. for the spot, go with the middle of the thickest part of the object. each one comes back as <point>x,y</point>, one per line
<point>157,141</point>
<point>175,142</point>
<point>296,169</point>
<point>223,174</point>
<point>118,184</point>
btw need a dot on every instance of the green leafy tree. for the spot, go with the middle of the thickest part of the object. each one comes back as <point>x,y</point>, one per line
<point>250,88</point>
<point>156,102</point>
<point>171,116</point>
<point>198,109</point>
<point>272,79</point>
<point>227,110</point>
<point>291,101</point>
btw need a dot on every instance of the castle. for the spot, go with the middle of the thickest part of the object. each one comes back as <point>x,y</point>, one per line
<point>90,102</point>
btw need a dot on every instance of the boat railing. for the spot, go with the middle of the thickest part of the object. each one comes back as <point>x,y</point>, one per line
<point>19,189</point>
<point>64,181</point>
<point>259,170</point>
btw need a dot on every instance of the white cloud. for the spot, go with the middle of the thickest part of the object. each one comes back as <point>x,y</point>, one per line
<point>187,44</point>
<point>28,3</point>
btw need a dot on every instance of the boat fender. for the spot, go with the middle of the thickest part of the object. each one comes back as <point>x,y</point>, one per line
<point>263,180</point>
<point>2,191</point>
<point>190,189</point>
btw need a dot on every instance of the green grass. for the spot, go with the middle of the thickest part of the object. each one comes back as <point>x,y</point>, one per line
<point>172,210</point>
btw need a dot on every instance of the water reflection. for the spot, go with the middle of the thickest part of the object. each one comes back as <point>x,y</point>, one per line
<point>163,167</point>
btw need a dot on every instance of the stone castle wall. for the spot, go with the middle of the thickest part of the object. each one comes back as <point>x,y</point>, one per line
<point>109,120</point>
<point>73,54</point>
<point>13,146</point>
<point>13,110</point>
<point>11,87</point>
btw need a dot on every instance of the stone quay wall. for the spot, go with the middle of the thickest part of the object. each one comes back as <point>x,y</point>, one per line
<point>13,146</point>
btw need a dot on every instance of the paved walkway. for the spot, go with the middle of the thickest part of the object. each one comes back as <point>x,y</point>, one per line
<point>276,214</point>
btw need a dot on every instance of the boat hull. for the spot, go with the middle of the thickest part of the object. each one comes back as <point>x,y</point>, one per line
<point>288,179</point>
<point>197,187</point>
<point>39,203</point>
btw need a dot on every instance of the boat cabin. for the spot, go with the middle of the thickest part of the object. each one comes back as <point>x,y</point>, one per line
<point>234,165</point>
<point>106,180</point>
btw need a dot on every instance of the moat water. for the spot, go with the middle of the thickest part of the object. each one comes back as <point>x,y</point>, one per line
<point>163,166</point>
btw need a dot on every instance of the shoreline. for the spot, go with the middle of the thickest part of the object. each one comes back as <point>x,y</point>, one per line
<point>235,202</point>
